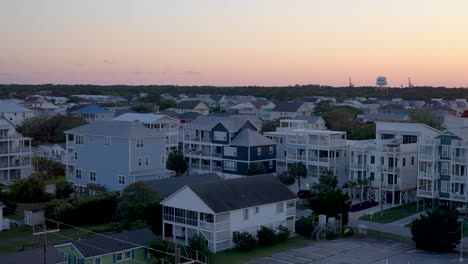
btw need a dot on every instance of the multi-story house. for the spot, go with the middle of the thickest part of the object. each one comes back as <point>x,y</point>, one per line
<point>55,152</point>
<point>92,113</point>
<point>260,109</point>
<point>197,106</point>
<point>15,153</point>
<point>301,141</point>
<point>112,154</point>
<point>14,113</point>
<point>289,109</point>
<point>160,123</point>
<point>225,145</point>
<point>388,164</point>
<point>442,169</point>
<point>217,209</point>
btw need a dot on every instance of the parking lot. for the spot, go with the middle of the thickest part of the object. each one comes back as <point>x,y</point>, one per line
<point>357,251</point>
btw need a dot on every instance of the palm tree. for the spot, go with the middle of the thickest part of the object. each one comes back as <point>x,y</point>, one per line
<point>351,188</point>
<point>362,184</point>
<point>327,182</point>
<point>298,170</point>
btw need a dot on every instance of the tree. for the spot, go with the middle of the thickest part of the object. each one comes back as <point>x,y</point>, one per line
<point>176,162</point>
<point>286,179</point>
<point>166,104</point>
<point>270,126</point>
<point>426,116</point>
<point>29,190</point>
<point>256,168</point>
<point>135,201</point>
<point>143,108</point>
<point>151,98</point>
<point>464,114</point>
<point>198,243</point>
<point>48,169</point>
<point>322,107</point>
<point>437,231</point>
<point>298,170</point>
<point>139,192</point>
<point>327,182</point>
<point>362,183</point>
<point>332,203</point>
<point>362,133</point>
<point>342,120</point>
<point>63,189</point>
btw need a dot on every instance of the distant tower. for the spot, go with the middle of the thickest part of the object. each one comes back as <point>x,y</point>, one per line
<point>410,85</point>
<point>351,85</point>
<point>381,83</point>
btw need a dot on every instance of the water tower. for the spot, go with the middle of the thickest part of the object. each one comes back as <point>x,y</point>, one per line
<point>381,83</point>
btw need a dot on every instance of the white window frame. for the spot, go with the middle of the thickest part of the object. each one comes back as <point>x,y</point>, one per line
<point>125,254</point>
<point>230,165</point>
<point>279,207</point>
<point>146,160</point>
<point>121,179</point>
<point>257,210</point>
<point>122,257</point>
<point>140,143</point>
<point>445,151</point>
<point>230,151</point>
<point>444,186</point>
<point>97,262</point>
<point>444,168</point>
<point>140,161</point>
<point>270,150</point>
<point>92,174</point>
<point>107,142</point>
<point>79,140</point>
<point>245,214</point>
<point>270,164</point>
<point>163,159</point>
<point>259,151</point>
<point>76,155</point>
<point>78,172</point>
<point>220,136</point>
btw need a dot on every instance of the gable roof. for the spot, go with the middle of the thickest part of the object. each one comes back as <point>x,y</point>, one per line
<point>97,245</point>
<point>188,115</point>
<point>231,123</point>
<point>6,107</point>
<point>216,98</point>
<point>188,104</point>
<point>242,192</point>
<point>33,255</point>
<point>144,118</point>
<point>92,109</point>
<point>166,187</point>
<point>120,129</point>
<point>249,138</point>
<point>286,106</point>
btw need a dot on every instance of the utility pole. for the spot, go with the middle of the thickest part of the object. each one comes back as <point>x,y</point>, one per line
<point>45,232</point>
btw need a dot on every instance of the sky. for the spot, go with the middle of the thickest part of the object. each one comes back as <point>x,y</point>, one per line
<point>234,42</point>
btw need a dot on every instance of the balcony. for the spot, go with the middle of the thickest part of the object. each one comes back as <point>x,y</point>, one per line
<point>425,156</point>
<point>358,166</point>
<point>458,178</point>
<point>291,210</point>
<point>425,193</point>
<point>213,226</point>
<point>195,166</point>
<point>391,169</point>
<point>461,159</point>
<point>389,186</point>
<point>296,157</point>
<point>206,167</point>
<point>456,196</point>
<point>425,175</point>
<point>217,169</point>
<point>216,155</point>
<point>390,149</point>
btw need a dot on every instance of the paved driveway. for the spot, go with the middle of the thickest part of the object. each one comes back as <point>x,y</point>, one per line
<point>356,251</point>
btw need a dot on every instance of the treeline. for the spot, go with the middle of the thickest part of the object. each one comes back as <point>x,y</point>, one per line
<point>281,93</point>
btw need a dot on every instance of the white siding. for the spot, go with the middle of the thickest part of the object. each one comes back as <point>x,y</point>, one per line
<point>187,199</point>
<point>267,216</point>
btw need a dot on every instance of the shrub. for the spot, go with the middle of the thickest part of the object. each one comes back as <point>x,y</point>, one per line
<point>437,231</point>
<point>198,243</point>
<point>305,226</point>
<point>266,236</point>
<point>282,233</point>
<point>29,190</point>
<point>63,190</point>
<point>161,245</point>
<point>244,241</point>
<point>9,202</point>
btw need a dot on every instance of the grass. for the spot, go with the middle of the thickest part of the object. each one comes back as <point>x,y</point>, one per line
<point>235,256</point>
<point>54,181</point>
<point>392,214</point>
<point>18,239</point>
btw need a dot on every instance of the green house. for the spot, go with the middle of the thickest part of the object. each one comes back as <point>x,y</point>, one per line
<point>119,247</point>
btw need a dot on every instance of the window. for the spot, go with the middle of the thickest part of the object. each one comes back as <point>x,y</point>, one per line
<point>270,150</point>
<point>259,151</point>
<point>281,140</point>
<point>372,176</point>
<point>78,174</point>
<point>220,136</point>
<point>118,257</point>
<point>79,140</point>
<point>387,136</point>
<point>412,160</point>
<point>140,161</point>
<point>92,176</point>
<point>444,186</point>
<point>445,151</point>
<point>76,155</point>
<point>128,254</point>
<point>409,139</point>
<point>97,260</point>
<point>270,164</point>
<point>246,214</point>
<point>444,168</point>
<point>257,210</point>
<point>139,143</point>
<point>230,165</point>
<point>107,142</point>
<point>372,159</point>
<point>146,161</point>
<point>279,208</point>
<point>230,151</point>
<point>121,179</point>
<point>404,162</point>
<point>163,159</point>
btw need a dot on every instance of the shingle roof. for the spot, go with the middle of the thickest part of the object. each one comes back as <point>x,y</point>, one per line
<point>310,119</point>
<point>144,118</point>
<point>287,106</point>
<point>249,191</point>
<point>33,255</point>
<point>12,108</point>
<point>166,187</point>
<point>231,123</point>
<point>120,129</point>
<point>258,104</point>
<point>188,115</point>
<point>249,138</point>
<point>188,104</point>
<point>216,98</point>
<point>92,109</point>
<point>98,245</point>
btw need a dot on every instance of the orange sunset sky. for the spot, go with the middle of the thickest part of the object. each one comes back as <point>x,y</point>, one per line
<point>238,42</point>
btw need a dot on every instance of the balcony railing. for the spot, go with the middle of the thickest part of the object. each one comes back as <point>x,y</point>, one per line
<point>425,193</point>
<point>458,178</point>
<point>217,168</point>
<point>388,149</point>
<point>206,167</point>
<point>390,169</point>
<point>390,186</point>
<point>359,166</point>
<point>426,175</point>
<point>459,159</point>
<point>291,210</point>
<point>216,155</point>
<point>456,196</point>
<point>213,226</point>
<point>425,156</point>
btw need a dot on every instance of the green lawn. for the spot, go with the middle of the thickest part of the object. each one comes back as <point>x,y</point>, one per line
<point>392,214</point>
<point>18,239</point>
<point>234,256</point>
<point>54,181</point>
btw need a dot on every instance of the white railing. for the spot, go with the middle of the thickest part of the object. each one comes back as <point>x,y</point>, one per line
<point>456,196</point>
<point>424,193</point>
<point>212,226</point>
<point>291,210</point>
<point>458,178</point>
<point>388,149</point>
<point>459,159</point>
<point>425,156</point>
<point>391,169</point>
